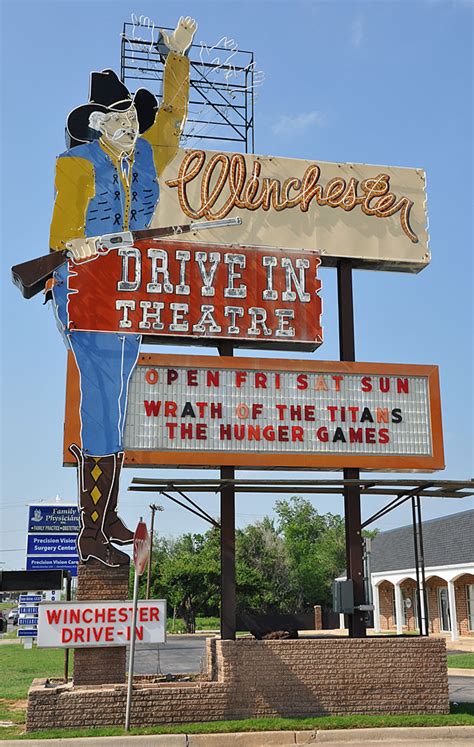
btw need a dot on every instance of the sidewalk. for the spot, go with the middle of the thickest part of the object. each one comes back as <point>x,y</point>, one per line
<point>456,736</point>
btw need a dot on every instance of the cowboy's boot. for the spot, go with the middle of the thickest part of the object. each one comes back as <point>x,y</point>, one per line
<point>114,528</point>
<point>95,482</point>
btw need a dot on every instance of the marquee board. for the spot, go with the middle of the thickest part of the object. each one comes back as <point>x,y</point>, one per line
<point>188,411</point>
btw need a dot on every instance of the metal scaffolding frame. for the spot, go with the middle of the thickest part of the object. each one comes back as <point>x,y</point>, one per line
<point>222,100</point>
<point>401,489</point>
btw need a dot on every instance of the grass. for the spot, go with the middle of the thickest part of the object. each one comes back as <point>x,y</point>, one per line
<point>461,715</point>
<point>202,623</point>
<point>175,626</point>
<point>208,623</point>
<point>19,666</point>
<point>461,661</point>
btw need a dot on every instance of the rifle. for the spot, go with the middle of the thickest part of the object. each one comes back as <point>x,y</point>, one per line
<point>31,276</point>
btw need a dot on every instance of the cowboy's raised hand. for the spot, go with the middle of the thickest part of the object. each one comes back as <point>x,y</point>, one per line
<point>182,37</point>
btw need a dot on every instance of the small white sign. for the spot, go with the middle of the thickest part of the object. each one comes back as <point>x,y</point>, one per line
<point>87,624</point>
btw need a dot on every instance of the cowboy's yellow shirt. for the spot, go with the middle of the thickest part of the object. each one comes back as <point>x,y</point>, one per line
<point>75,182</point>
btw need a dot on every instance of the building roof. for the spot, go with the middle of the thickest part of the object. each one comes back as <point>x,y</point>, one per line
<point>446,541</point>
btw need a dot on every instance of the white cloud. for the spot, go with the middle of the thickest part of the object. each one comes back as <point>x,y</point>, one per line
<point>288,125</point>
<point>357,32</point>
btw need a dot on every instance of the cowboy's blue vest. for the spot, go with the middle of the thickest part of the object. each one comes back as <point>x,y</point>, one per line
<point>105,212</point>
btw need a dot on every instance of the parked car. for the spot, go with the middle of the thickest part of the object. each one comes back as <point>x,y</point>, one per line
<point>13,616</point>
<point>3,622</point>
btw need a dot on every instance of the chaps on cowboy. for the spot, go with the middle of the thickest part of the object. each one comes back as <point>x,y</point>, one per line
<point>107,182</point>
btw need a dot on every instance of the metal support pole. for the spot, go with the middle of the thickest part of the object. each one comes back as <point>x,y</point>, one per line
<point>228,590</point>
<point>368,591</point>
<point>128,707</point>
<point>352,514</point>
<point>148,570</point>
<point>417,569</point>
<point>66,651</point>
<point>422,565</point>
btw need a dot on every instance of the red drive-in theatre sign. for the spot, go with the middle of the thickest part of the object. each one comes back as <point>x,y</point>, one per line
<point>176,289</point>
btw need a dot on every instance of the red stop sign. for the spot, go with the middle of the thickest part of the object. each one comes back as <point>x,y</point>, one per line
<point>141,547</point>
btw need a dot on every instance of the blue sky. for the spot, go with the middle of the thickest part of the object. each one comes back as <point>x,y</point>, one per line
<point>374,82</point>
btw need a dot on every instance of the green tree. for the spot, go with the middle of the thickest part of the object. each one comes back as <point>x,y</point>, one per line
<point>286,565</point>
<point>315,544</point>
<point>186,572</point>
<point>263,569</point>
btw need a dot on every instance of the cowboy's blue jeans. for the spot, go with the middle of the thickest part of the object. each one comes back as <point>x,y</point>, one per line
<point>105,362</point>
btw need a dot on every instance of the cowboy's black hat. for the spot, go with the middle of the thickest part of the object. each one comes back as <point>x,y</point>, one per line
<point>108,93</point>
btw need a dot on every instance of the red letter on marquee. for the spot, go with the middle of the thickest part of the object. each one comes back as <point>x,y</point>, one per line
<point>240,378</point>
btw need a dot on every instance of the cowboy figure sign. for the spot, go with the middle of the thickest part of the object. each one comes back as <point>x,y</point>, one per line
<point>108,181</point>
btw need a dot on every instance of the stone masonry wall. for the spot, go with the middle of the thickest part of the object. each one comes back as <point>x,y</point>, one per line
<point>247,678</point>
<point>96,665</point>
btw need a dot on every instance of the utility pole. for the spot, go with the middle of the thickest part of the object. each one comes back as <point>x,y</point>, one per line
<point>153,508</point>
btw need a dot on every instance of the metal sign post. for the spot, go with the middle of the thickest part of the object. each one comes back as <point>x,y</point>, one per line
<point>352,509</point>
<point>227,501</point>
<point>141,549</point>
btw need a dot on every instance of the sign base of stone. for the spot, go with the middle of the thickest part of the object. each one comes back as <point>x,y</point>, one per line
<point>100,666</point>
<point>251,679</point>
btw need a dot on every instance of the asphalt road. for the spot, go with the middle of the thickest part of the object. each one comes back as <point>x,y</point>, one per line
<point>183,655</point>
<point>180,655</point>
<point>461,689</point>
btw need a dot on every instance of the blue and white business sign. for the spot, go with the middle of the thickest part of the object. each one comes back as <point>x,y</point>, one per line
<point>28,622</point>
<point>51,540</point>
<point>52,563</point>
<point>27,633</point>
<point>51,519</point>
<point>28,615</point>
<point>31,609</point>
<point>51,544</point>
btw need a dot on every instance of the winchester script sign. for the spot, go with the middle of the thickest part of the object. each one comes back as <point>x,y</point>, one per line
<point>374,215</point>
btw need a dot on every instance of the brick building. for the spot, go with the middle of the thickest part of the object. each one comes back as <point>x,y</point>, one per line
<point>449,572</point>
